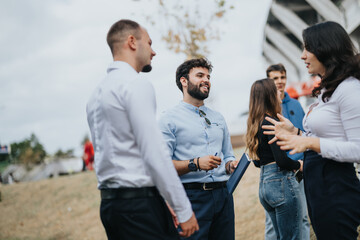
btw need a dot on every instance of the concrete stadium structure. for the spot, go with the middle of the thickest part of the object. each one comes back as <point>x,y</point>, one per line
<point>283,33</point>
<point>286,21</point>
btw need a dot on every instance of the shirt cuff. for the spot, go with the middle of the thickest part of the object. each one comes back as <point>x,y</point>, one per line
<point>185,215</point>
<point>328,149</point>
<point>229,159</point>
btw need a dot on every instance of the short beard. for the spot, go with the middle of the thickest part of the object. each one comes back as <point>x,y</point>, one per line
<point>195,92</point>
<point>146,68</point>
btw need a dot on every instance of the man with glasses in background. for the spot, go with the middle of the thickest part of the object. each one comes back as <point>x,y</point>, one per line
<point>199,143</point>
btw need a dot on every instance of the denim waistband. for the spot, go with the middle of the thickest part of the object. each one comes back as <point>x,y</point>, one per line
<point>272,167</point>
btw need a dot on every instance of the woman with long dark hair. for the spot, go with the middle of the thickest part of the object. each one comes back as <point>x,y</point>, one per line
<point>279,191</point>
<point>332,133</point>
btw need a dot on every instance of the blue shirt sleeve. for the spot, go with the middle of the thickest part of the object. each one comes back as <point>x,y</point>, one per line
<point>227,146</point>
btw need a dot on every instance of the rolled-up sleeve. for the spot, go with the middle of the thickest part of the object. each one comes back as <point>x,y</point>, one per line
<point>226,146</point>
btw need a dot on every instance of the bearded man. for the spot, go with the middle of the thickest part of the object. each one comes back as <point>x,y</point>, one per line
<point>199,144</point>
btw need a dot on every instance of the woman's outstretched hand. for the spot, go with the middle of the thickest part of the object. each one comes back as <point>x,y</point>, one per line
<point>280,128</point>
<point>298,144</point>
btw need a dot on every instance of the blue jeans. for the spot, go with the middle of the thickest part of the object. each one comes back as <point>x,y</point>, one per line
<point>305,228</point>
<point>279,194</point>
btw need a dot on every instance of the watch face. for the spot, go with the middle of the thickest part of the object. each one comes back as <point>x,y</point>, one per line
<point>192,167</point>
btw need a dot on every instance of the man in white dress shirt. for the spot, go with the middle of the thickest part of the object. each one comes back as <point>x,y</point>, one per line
<point>131,162</point>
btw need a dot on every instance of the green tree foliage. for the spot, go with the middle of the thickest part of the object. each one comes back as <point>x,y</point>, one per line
<point>64,154</point>
<point>29,151</point>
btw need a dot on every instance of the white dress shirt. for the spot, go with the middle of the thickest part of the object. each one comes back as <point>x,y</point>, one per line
<point>129,149</point>
<point>337,122</point>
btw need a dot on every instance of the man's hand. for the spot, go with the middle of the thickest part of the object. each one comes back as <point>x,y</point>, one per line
<point>189,227</point>
<point>173,214</point>
<point>209,162</point>
<point>284,127</point>
<point>230,166</point>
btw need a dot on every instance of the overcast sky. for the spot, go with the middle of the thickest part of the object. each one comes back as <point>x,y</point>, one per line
<point>54,53</point>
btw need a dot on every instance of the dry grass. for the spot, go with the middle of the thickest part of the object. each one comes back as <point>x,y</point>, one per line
<point>249,214</point>
<point>56,209</point>
<point>67,208</point>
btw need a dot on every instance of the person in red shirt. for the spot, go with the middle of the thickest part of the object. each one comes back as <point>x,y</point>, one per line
<point>88,156</point>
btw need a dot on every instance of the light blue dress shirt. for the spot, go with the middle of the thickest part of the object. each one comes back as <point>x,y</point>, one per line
<point>188,136</point>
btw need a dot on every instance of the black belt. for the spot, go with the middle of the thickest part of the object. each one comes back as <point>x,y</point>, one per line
<point>128,193</point>
<point>205,186</point>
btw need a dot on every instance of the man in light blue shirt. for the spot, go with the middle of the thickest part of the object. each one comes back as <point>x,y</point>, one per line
<point>199,144</point>
<point>292,110</point>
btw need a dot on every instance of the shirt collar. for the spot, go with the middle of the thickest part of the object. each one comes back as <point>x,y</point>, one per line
<point>120,64</point>
<point>192,107</point>
<point>286,97</point>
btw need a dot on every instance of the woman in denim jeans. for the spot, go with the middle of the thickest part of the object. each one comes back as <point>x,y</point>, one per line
<point>279,191</point>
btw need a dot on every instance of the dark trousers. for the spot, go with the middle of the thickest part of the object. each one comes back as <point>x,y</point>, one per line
<point>333,197</point>
<point>214,210</point>
<point>137,218</point>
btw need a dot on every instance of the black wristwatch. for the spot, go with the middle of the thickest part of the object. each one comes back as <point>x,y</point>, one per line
<point>192,166</point>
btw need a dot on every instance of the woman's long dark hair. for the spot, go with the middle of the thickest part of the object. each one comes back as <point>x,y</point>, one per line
<point>263,100</point>
<point>332,46</point>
